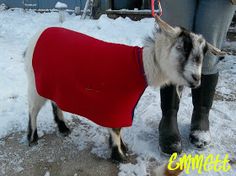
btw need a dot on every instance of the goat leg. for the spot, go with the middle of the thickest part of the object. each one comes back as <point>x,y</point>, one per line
<point>59,119</point>
<point>32,135</point>
<point>118,148</point>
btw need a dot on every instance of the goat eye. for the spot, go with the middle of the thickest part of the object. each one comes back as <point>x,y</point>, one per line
<point>197,59</point>
<point>179,48</point>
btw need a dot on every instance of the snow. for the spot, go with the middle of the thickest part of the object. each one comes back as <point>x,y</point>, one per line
<point>203,136</point>
<point>3,7</point>
<point>60,5</point>
<point>47,174</point>
<point>17,27</point>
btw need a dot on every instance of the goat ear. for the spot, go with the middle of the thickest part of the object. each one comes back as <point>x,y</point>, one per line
<point>215,51</point>
<point>165,27</point>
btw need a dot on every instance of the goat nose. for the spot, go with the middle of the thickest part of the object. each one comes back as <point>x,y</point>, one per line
<point>196,77</point>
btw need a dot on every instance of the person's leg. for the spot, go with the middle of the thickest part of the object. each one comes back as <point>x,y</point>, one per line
<point>176,13</point>
<point>169,136</point>
<point>179,13</point>
<point>212,21</point>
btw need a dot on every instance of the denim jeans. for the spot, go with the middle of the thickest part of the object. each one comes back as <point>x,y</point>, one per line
<point>211,18</point>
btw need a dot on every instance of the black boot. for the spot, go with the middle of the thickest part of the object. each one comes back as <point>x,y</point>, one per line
<point>202,98</point>
<point>169,136</point>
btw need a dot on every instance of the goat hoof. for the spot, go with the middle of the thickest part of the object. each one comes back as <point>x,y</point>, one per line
<point>33,140</point>
<point>33,143</point>
<point>66,133</point>
<point>124,147</point>
<point>117,157</point>
<point>63,129</point>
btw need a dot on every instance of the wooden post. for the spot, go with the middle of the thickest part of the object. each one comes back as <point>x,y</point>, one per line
<point>111,4</point>
<point>61,7</point>
<point>85,9</point>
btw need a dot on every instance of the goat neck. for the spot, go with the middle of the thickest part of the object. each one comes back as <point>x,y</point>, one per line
<point>151,61</point>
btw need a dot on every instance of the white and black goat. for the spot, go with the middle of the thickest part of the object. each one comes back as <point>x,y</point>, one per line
<point>173,55</point>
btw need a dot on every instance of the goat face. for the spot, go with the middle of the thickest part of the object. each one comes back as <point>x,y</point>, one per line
<point>182,54</point>
<point>185,57</point>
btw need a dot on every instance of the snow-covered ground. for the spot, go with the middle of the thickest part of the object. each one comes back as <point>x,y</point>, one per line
<point>17,27</point>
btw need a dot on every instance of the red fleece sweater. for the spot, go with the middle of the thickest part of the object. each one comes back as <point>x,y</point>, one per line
<point>98,80</point>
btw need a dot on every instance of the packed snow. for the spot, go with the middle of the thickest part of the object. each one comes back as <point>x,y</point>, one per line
<point>16,29</point>
<point>60,5</point>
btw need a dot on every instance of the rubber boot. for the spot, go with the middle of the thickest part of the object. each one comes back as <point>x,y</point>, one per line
<point>202,98</point>
<point>169,136</point>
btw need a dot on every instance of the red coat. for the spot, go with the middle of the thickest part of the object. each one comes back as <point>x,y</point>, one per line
<point>98,80</point>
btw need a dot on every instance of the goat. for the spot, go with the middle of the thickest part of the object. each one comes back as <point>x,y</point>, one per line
<point>163,170</point>
<point>173,55</point>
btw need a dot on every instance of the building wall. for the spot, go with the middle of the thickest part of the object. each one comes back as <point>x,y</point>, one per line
<point>50,4</point>
<point>12,3</point>
<point>42,4</point>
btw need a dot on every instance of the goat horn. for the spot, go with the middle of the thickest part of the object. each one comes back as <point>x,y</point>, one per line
<point>215,50</point>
